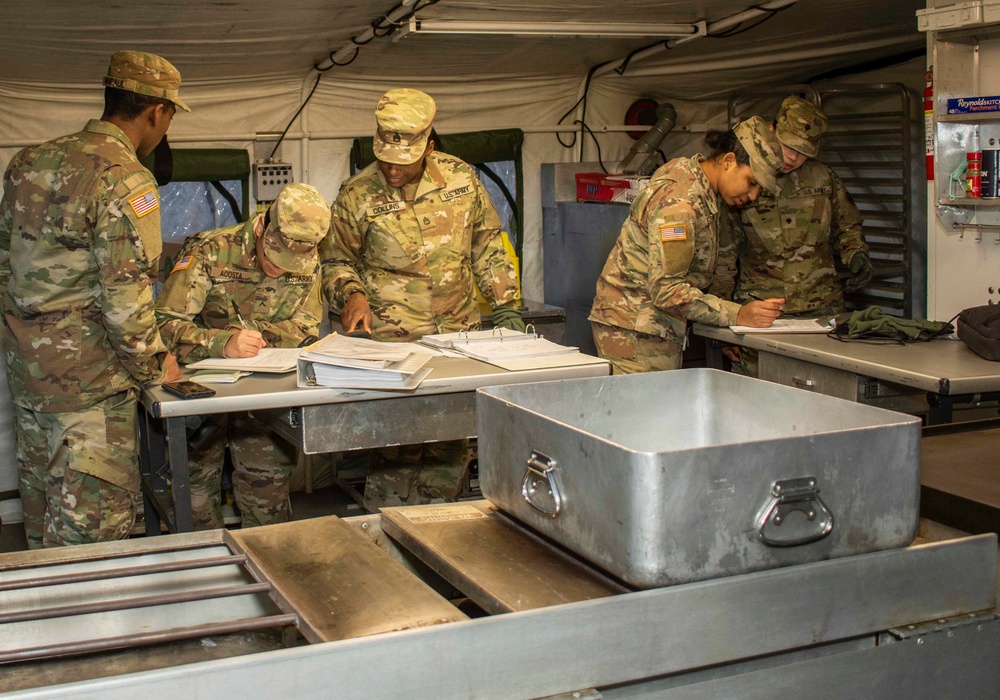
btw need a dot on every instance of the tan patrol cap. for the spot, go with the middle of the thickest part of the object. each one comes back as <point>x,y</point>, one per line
<point>300,218</point>
<point>145,74</point>
<point>404,119</point>
<point>760,143</point>
<point>800,125</point>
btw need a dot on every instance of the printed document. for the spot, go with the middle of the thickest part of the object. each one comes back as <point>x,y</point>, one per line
<point>788,325</point>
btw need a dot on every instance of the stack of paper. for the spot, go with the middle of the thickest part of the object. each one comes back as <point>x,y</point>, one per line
<point>218,376</point>
<point>357,363</point>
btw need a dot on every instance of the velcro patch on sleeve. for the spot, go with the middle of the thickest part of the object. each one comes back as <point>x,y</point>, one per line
<point>182,264</point>
<point>673,232</point>
<point>144,203</point>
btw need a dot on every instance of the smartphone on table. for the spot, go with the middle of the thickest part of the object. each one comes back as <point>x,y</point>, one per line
<point>188,390</point>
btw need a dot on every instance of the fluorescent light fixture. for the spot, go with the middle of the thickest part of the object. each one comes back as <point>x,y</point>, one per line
<point>567,29</point>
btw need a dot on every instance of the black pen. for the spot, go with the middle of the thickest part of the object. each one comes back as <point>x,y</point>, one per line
<point>754,296</point>
<point>238,314</point>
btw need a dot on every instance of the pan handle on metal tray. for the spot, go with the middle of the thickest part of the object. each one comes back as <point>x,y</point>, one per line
<point>539,485</point>
<point>787,496</point>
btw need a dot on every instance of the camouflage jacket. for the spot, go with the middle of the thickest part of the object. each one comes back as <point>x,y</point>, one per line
<point>660,273</point>
<point>416,259</point>
<point>790,246</point>
<point>219,267</point>
<point>79,248</point>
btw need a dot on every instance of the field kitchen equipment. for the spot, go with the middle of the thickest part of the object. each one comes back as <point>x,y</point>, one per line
<point>672,477</point>
<point>773,532</point>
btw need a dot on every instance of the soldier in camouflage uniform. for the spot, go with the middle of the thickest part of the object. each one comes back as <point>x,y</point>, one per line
<point>410,234</point>
<point>790,244</point>
<point>661,272</point>
<point>265,274</point>
<point>79,247</point>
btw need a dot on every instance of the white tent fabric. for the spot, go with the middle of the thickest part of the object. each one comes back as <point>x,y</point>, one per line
<point>246,69</point>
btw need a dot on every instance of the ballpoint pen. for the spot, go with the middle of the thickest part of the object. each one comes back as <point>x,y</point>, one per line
<point>238,314</point>
<point>749,294</point>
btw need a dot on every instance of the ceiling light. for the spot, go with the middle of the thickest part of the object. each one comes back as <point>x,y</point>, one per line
<point>562,29</point>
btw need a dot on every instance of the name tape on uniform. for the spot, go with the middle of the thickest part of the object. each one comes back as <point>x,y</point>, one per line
<point>387,208</point>
<point>456,192</point>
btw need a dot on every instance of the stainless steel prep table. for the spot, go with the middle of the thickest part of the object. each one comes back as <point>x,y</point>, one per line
<point>319,420</point>
<point>896,623</point>
<point>944,371</point>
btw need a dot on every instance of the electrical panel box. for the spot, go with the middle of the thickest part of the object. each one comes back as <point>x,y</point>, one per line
<point>269,179</point>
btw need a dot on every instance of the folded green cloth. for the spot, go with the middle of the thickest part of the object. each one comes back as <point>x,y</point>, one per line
<point>875,323</point>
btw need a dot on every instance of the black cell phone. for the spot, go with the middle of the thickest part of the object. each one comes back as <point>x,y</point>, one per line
<point>359,333</point>
<point>188,390</point>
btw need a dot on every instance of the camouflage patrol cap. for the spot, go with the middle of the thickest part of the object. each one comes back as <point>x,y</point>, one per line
<point>404,119</point>
<point>800,125</point>
<point>300,218</point>
<point>146,74</point>
<point>763,148</point>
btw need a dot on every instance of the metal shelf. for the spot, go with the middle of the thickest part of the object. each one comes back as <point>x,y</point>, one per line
<point>969,202</point>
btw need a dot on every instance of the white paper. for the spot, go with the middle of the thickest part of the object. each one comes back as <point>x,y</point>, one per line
<point>447,340</point>
<point>348,378</point>
<point>267,360</point>
<point>787,325</point>
<point>509,350</point>
<point>561,360</point>
<point>219,376</point>
<point>355,352</point>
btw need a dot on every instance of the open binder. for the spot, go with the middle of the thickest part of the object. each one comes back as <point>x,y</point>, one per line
<point>499,344</point>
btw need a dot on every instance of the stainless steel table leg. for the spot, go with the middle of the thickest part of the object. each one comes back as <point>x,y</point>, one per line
<point>151,460</point>
<point>180,477</point>
<point>163,464</point>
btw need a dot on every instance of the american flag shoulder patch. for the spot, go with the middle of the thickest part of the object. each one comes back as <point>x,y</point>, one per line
<point>144,203</point>
<point>673,232</point>
<point>183,264</point>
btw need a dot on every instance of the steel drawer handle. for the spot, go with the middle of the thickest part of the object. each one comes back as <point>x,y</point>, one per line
<point>788,496</point>
<point>539,485</point>
<point>804,383</point>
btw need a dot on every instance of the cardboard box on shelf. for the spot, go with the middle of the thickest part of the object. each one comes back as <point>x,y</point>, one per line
<point>603,187</point>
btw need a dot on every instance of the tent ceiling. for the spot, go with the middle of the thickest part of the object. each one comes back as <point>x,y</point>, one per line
<point>217,41</point>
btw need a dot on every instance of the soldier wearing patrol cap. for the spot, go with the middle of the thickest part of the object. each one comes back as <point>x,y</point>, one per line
<point>79,248</point>
<point>792,242</point>
<point>662,270</point>
<point>232,292</point>
<point>411,233</point>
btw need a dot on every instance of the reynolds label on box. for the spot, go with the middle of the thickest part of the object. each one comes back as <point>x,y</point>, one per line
<point>973,105</point>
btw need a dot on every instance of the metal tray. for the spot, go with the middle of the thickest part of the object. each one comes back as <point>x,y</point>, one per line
<point>680,476</point>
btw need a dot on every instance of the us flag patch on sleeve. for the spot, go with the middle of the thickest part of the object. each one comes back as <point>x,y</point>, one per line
<point>144,203</point>
<point>673,232</point>
<point>183,264</point>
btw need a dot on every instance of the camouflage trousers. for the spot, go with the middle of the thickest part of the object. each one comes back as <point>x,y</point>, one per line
<point>630,352</point>
<point>78,472</point>
<point>262,463</point>
<point>409,475</point>
<point>749,363</point>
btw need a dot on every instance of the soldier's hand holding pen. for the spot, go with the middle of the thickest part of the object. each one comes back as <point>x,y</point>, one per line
<point>245,342</point>
<point>760,313</point>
